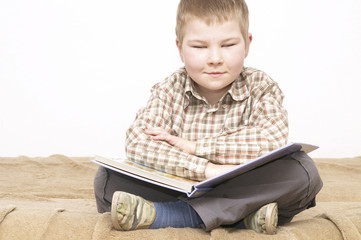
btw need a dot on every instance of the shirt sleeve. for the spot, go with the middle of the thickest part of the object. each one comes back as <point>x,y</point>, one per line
<point>160,155</point>
<point>267,130</point>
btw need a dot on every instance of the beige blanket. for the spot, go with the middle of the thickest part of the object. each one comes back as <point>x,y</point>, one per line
<point>52,198</point>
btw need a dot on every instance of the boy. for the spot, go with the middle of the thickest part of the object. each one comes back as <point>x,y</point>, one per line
<point>205,119</point>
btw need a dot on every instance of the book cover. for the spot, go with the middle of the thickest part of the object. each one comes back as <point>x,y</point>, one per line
<point>190,187</point>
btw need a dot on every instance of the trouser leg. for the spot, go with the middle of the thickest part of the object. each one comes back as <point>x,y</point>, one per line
<point>107,181</point>
<point>292,181</point>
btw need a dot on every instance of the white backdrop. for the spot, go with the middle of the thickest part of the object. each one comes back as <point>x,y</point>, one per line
<point>74,73</point>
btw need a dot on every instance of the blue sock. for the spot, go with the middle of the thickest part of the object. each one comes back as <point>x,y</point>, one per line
<point>237,225</point>
<point>175,214</point>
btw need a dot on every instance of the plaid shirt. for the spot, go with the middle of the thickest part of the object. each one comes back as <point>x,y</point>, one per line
<point>247,122</point>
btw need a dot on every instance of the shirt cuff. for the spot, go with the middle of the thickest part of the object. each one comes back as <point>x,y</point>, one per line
<point>197,168</point>
<point>205,147</point>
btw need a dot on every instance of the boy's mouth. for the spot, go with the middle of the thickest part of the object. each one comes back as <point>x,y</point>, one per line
<point>215,74</point>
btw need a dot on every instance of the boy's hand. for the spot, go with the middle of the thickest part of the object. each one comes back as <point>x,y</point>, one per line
<point>159,134</point>
<point>213,170</point>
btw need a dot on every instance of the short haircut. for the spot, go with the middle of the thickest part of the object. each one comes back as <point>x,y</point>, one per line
<point>212,11</point>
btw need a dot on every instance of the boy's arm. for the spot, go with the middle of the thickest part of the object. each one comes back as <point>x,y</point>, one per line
<point>211,170</point>
<point>143,149</point>
<point>159,134</point>
<point>267,130</point>
<point>160,155</point>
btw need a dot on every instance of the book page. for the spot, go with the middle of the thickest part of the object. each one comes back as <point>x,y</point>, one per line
<point>145,173</point>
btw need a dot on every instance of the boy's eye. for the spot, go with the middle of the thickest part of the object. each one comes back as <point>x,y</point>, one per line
<point>228,45</point>
<point>198,46</point>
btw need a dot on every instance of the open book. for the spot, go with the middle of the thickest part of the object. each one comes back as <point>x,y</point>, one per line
<point>195,188</point>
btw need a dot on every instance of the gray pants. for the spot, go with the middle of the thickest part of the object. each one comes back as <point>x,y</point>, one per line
<point>292,181</point>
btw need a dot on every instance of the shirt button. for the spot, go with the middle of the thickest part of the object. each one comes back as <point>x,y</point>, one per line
<point>205,147</point>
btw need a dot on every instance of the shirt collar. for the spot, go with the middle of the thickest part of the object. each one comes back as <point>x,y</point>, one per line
<point>190,89</point>
<point>238,91</point>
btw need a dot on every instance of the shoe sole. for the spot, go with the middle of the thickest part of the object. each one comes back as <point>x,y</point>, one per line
<point>113,212</point>
<point>271,219</point>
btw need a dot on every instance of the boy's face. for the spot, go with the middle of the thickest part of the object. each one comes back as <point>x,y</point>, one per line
<point>213,55</point>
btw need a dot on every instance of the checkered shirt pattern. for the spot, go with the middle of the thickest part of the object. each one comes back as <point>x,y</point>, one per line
<point>247,122</point>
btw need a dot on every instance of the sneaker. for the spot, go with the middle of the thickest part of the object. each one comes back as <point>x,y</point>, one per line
<point>130,212</point>
<point>264,220</point>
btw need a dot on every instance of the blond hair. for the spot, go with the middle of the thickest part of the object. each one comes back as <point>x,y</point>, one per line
<point>212,11</point>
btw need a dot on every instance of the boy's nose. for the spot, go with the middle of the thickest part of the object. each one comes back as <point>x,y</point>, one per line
<point>215,58</point>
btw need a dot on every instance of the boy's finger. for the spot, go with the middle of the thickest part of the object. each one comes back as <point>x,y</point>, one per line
<point>151,131</point>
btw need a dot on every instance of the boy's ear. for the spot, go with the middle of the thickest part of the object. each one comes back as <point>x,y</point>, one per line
<point>250,37</point>
<point>179,46</point>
